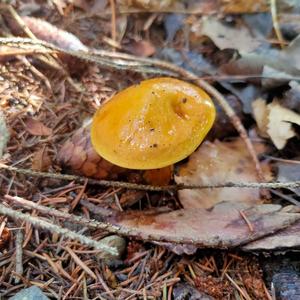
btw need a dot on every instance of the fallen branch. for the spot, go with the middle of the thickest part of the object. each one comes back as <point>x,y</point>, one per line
<point>142,234</point>
<point>145,187</point>
<point>19,255</point>
<point>35,221</point>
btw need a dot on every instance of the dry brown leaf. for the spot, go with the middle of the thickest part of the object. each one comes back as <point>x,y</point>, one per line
<point>36,127</point>
<point>146,4</point>
<point>288,172</point>
<point>142,48</point>
<point>4,237</point>
<point>221,227</point>
<point>275,121</point>
<point>241,6</point>
<point>91,7</point>
<point>260,112</point>
<point>284,239</point>
<point>216,163</point>
<point>41,160</point>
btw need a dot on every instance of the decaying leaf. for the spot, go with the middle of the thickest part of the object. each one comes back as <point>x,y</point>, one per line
<point>288,172</point>
<point>226,36</point>
<point>36,127</point>
<point>288,238</point>
<point>215,163</point>
<point>130,197</point>
<point>146,4</point>
<point>41,160</point>
<point>292,52</point>
<point>222,227</point>
<point>240,6</point>
<point>4,135</point>
<point>260,112</point>
<point>4,237</point>
<point>291,98</point>
<point>268,62</point>
<point>275,121</point>
<point>142,48</point>
<point>91,7</point>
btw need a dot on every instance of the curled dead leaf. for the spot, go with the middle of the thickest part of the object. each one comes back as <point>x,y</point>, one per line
<point>36,127</point>
<point>4,237</point>
<point>41,160</point>
<point>275,121</point>
<point>142,48</point>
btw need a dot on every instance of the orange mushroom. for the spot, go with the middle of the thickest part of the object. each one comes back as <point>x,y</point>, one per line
<point>153,124</point>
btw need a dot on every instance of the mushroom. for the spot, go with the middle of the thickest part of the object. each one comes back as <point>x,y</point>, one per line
<point>153,124</point>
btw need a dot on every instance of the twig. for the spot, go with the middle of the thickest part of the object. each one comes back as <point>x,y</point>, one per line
<point>276,23</point>
<point>80,263</point>
<point>56,229</point>
<point>19,255</point>
<point>145,187</point>
<point>133,232</point>
<point>246,220</point>
<point>244,293</point>
<point>113,20</point>
<point>48,60</point>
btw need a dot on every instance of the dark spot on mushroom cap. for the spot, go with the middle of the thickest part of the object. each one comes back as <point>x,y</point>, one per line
<point>154,146</point>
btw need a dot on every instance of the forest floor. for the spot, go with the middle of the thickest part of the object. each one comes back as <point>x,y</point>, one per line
<point>247,53</point>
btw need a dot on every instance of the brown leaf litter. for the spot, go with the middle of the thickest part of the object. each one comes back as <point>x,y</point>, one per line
<point>43,121</point>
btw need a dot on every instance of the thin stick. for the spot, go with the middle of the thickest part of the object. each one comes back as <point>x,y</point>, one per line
<point>244,293</point>
<point>145,187</point>
<point>80,263</point>
<point>47,59</point>
<point>113,20</point>
<point>276,23</point>
<point>128,231</point>
<point>246,220</point>
<point>16,215</point>
<point>19,255</point>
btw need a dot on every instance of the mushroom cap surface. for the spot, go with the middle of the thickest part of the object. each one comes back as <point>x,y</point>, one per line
<point>153,124</point>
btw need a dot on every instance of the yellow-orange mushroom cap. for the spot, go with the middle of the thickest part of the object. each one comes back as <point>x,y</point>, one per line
<point>153,124</point>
